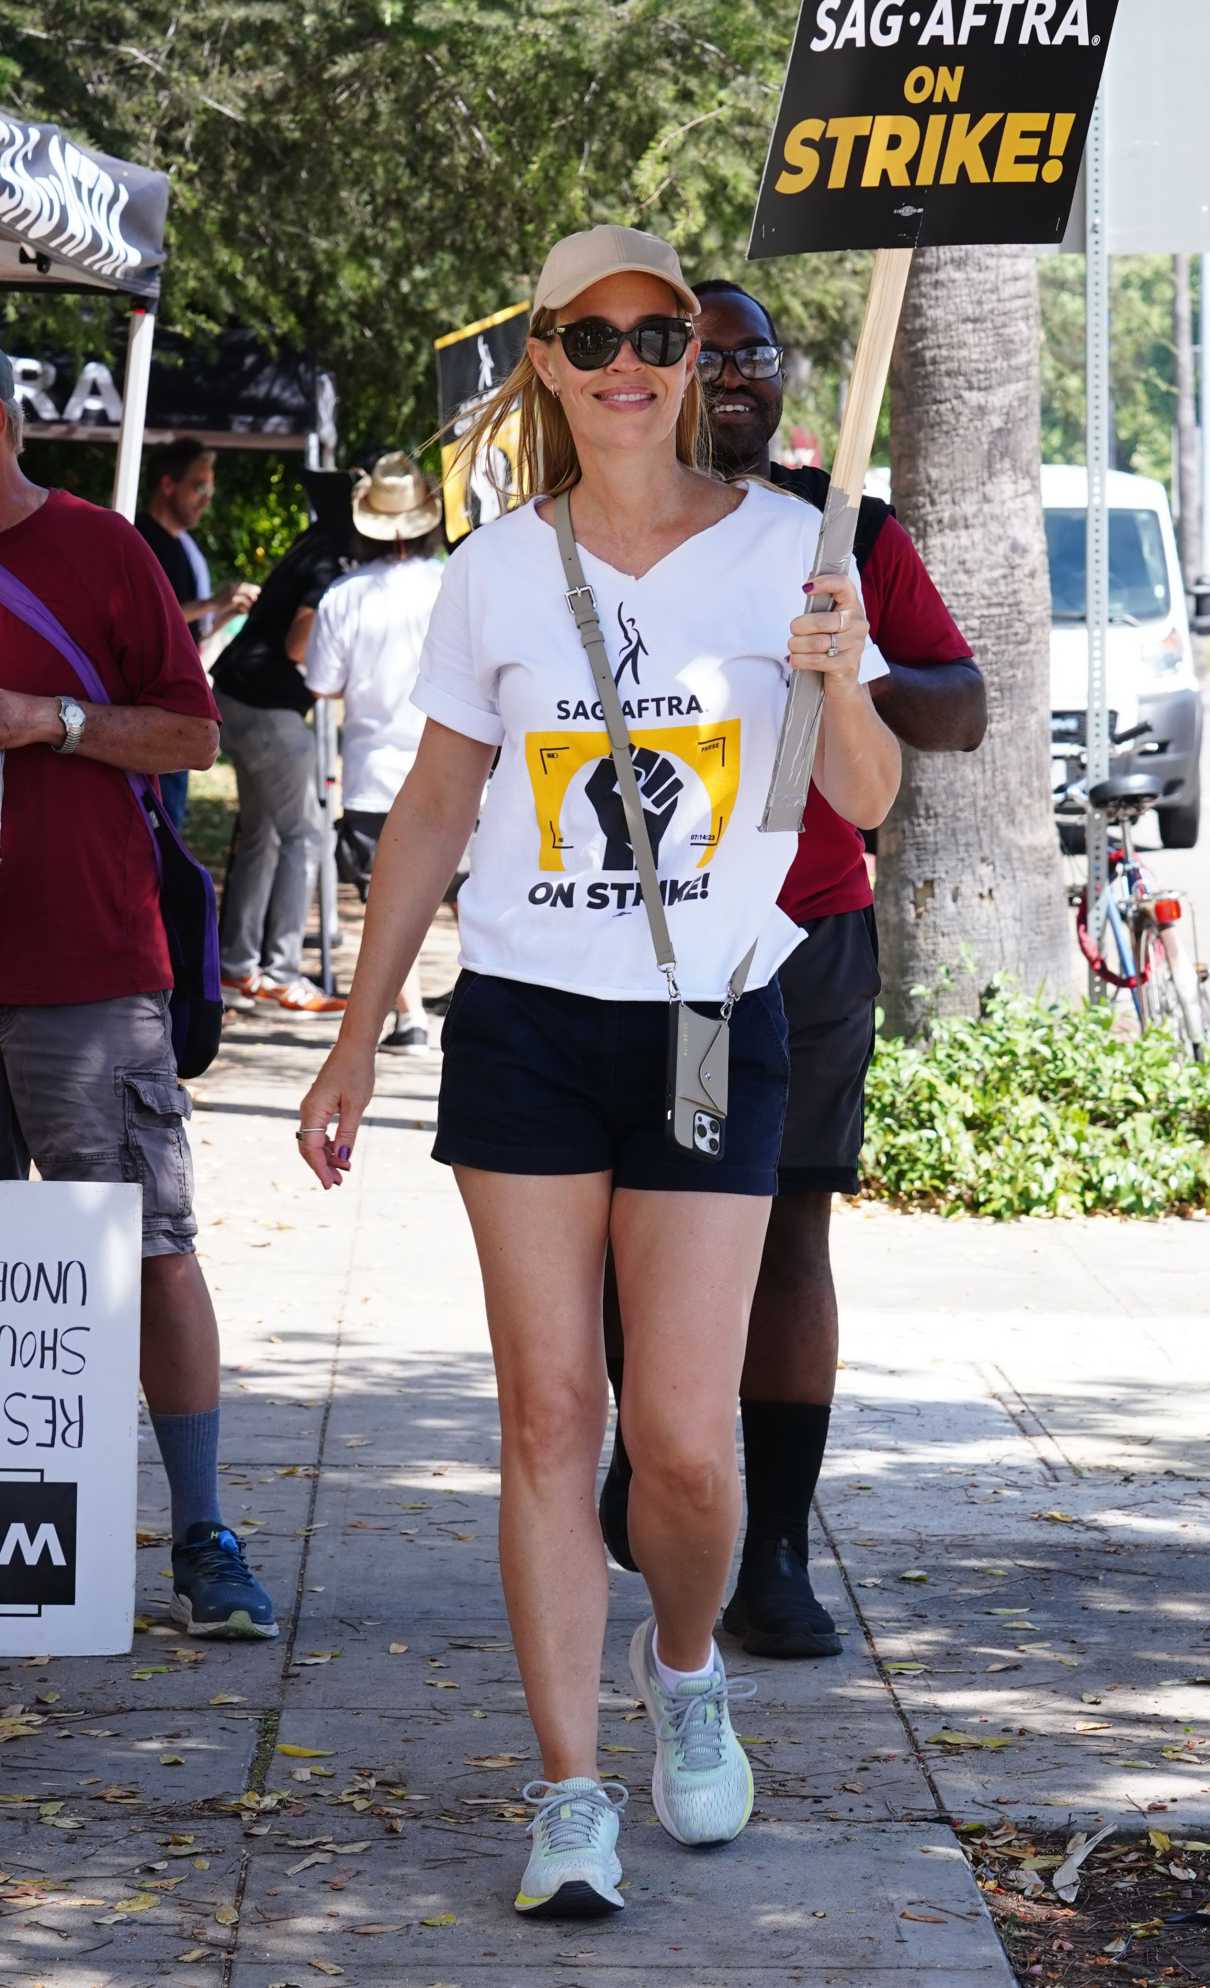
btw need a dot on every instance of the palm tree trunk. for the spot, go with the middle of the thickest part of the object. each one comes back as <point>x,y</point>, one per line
<point>968,869</point>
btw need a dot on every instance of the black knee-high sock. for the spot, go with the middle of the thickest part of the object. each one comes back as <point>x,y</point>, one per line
<point>784,1442</point>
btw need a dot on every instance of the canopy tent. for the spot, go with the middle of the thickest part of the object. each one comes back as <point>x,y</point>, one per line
<point>72,219</point>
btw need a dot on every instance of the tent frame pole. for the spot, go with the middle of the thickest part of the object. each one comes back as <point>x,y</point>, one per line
<point>134,410</point>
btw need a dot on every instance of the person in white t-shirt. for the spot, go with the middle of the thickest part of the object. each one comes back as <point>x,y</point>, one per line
<point>364,647</point>
<point>552,1107</point>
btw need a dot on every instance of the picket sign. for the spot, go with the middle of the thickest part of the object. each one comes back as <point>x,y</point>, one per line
<point>905,126</point>
<point>70,1259</point>
<point>872,362</point>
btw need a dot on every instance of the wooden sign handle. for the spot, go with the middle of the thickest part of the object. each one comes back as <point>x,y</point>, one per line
<point>796,746</point>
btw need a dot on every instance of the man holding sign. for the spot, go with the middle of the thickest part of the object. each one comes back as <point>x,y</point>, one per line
<point>88,1084</point>
<point>933,699</point>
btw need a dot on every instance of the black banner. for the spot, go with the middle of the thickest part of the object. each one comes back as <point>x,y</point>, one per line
<point>471,364</point>
<point>921,123</point>
<point>233,393</point>
<point>74,219</point>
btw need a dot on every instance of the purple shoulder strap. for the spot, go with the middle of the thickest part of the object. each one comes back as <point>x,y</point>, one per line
<point>16,596</point>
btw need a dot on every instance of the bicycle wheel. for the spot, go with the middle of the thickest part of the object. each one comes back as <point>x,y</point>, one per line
<point>1171,992</point>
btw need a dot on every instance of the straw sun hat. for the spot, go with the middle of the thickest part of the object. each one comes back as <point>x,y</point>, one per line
<point>395,500</point>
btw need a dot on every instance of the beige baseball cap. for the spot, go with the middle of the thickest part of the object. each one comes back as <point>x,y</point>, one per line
<point>578,261</point>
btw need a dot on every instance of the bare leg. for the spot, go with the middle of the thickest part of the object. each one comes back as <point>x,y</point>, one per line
<point>793,1342</point>
<point>410,999</point>
<point>686,1268</point>
<point>179,1356</point>
<point>541,1244</point>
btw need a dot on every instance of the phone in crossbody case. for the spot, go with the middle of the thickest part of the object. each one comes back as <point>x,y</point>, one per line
<point>698,1051</point>
<point>699,1046</point>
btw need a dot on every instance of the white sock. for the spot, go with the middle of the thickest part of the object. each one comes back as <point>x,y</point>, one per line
<point>670,1678</point>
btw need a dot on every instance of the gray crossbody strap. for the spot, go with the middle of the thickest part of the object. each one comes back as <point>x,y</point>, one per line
<point>583,604</point>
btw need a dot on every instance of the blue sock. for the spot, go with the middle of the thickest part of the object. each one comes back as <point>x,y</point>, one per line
<point>189,1447</point>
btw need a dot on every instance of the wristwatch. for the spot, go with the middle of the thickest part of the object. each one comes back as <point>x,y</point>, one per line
<point>73,716</point>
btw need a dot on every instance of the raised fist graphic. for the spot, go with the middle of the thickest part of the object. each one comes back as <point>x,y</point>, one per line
<point>659,786</point>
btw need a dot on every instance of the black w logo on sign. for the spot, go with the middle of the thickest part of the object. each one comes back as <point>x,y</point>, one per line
<point>37,1545</point>
<point>633,646</point>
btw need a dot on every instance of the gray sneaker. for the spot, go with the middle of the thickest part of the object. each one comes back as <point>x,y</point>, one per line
<point>702,1785</point>
<point>573,1870</point>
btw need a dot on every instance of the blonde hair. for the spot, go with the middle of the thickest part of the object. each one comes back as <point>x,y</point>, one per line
<point>547,462</point>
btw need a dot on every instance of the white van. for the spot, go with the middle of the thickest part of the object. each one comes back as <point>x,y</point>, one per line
<point>1149,664</point>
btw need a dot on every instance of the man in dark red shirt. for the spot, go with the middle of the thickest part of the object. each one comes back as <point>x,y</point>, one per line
<point>933,699</point>
<point>88,1085</point>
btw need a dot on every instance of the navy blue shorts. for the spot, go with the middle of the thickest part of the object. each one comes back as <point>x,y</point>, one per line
<point>538,1081</point>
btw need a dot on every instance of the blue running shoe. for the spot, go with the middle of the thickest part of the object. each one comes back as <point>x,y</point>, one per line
<point>214,1592</point>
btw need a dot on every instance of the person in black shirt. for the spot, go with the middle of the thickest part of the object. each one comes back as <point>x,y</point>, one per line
<point>265,704</point>
<point>180,490</point>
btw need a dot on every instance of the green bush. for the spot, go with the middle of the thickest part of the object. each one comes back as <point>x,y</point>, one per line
<point>1030,1109</point>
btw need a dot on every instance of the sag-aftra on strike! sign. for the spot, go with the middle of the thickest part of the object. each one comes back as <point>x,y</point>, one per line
<point>916,123</point>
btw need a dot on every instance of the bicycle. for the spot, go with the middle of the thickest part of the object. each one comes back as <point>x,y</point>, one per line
<point>1142,925</point>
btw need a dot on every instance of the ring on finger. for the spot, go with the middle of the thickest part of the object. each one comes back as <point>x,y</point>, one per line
<point>303,1130</point>
<point>832,649</point>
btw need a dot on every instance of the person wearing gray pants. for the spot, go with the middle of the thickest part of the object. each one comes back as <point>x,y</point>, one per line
<point>273,873</point>
<point>265,705</point>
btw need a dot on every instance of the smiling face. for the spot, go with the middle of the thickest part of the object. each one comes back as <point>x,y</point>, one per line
<point>625,405</point>
<point>744,415</point>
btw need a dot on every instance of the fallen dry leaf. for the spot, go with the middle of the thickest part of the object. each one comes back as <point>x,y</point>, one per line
<point>924,1918</point>
<point>141,1902</point>
<point>307,1752</point>
<point>226,1915</point>
<point>493,1759</point>
<point>195,1953</point>
<point>397,1649</point>
<point>440,1919</point>
<point>325,1967</point>
<point>947,1738</point>
<point>913,1574</point>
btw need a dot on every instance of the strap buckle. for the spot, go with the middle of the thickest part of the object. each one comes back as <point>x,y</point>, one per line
<point>669,973</point>
<point>570,598</point>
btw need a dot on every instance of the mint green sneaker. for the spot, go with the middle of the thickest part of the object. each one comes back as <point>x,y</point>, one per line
<point>702,1785</point>
<point>573,1870</point>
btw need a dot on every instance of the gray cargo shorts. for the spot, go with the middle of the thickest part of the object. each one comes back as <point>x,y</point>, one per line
<point>89,1091</point>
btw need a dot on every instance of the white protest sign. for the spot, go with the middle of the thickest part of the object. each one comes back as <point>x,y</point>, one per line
<point>69,1366</point>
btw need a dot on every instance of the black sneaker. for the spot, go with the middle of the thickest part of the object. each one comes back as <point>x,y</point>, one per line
<point>773,1611</point>
<point>613,1507</point>
<point>214,1592</point>
<point>406,1039</point>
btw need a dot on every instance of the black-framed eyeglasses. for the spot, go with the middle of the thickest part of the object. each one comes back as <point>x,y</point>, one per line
<point>593,342</point>
<point>751,362</point>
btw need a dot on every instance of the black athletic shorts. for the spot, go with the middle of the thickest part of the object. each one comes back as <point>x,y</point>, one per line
<point>538,1081</point>
<point>829,986</point>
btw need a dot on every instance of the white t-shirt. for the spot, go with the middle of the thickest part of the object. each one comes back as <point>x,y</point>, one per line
<point>364,646</point>
<point>698,649</point>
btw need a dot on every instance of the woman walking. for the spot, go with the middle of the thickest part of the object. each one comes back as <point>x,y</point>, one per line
<point>553,1109</point>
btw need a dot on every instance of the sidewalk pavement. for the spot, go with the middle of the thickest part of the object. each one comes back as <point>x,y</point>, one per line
<point>1012,1534</point>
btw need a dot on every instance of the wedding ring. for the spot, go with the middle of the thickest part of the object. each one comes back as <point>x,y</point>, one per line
<point>304,1129</point>
<point>831,649</point>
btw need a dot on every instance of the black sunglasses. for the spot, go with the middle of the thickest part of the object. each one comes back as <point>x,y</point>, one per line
<point>751,362</point>
<point>593,342</point>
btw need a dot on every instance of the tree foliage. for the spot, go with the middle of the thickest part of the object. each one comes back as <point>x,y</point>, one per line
<point>354,177</point>
<point>1142,359</point>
